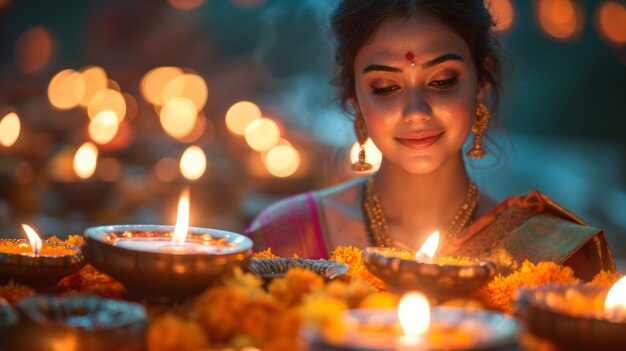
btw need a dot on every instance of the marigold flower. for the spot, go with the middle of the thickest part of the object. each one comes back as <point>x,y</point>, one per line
<point>297,282</point>
<point>267,253</point>
<point>499,293</point>
<point>324,314</point>
<point>351,256</point>
<point>172,333</point>
<point>605,278</point>
<point>219,310</point>
<point>89,280</point>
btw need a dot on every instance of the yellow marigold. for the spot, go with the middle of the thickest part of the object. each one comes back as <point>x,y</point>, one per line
<point>12,292</point>
<point>605,278</point>
<point>351,256</point>
<point>54,239</point>
<point>297,282</point>
<point>219,310</point>
<point>324,314</point>
<point>172,333</point>
<point>267,253</point>
<point>499,293</point>
<point>89,280</point>
<point>75,240</point>
<point>250,284</point>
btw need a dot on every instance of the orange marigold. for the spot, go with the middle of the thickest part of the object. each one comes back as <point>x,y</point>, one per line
<point>297,282</point>
<point>172,333</point>
<point>89,280</point>
<point>267,253</point>
<point>499,293</point>
<point>351,256</point>
<point>219,310</point>
<point>605,278</point>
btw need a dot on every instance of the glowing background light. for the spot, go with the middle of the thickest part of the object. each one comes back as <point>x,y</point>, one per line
<point>66,89</point>
<point>33,50</point>
<point>262,134</point>
<point>178,117</point>
<point>282,160</point>
<point>9,129</point>
<point>103,127</point>
<point>373,156</point>
<point>107,99</point>
<point>85,160</point>
<point>193,163</point>
<point>414,314</point>
<point>560,19</point>
<point>153,83</point>
<point>166,169</point>
<point>240,115</point>
<point>95,79</point>
<point>189,86</point>
<point>611,19</point>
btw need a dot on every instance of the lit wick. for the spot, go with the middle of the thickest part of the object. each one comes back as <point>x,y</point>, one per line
<point>35,242</point>
<point>182,219</point>
<point>426,253</point>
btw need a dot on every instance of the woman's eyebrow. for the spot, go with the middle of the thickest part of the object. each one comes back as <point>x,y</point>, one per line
<point>427,64</point>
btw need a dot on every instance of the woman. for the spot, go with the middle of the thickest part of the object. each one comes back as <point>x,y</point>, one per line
<point>416,74</point>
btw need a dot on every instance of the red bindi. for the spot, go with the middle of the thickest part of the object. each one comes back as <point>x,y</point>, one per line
<point>409,56</point>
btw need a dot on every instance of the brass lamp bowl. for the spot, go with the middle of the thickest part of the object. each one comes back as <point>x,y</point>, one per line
<point>164,276</point>
<point>38,271</point>
<point>75,323</point>
<point>438,281</point>
<point>549,312</point>
<point>269,268</point>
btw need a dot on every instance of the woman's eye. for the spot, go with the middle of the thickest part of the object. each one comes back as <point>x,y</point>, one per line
<point>385,91</point>
<point>444,83</point>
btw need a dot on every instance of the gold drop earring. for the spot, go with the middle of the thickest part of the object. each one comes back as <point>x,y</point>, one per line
<point>478,127</point>
<point>361,166</point>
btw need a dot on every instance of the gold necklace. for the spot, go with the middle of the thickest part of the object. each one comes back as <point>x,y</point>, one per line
<point>378,229</point>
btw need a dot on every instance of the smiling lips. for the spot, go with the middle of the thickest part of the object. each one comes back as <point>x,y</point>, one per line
<point>419,140</point>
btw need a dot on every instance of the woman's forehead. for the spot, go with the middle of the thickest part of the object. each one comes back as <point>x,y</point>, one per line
<point>425,37</point>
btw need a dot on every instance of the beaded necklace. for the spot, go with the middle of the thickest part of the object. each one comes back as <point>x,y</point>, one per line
<point>378,229</point>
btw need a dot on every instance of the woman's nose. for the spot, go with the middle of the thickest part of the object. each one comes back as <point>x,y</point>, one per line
<point>417,108</point>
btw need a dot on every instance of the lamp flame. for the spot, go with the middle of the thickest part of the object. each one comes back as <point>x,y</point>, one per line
<point>35,242</point>
<point>429,249</point>
<point>615,302</point>
<point>414,314</point>
<point>182,219</point>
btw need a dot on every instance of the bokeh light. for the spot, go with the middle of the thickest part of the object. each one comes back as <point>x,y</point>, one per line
<point>262,134</point>
<point>178,117</point>
<point>373,156</point>
<point>153,83</point>
<point>197,130</point>
<point>190,86</point>
<point>185,4</point>
<point>66,89</point>
<point>131,106</point>
<point>95,79</point>
<point>502,12</point>
<point>193,163</point>
<point>9,129</point>
<point>560,19</point>
<point>240,115</point>
<point>85,160</point>
<point>611,20</point>
<point>166,169</point>
<point>33,50</point>
<point>107,99</point>
<point>282,160</point>
<point>103,128</point>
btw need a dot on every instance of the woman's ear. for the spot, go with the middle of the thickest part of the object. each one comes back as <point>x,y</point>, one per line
<point>483,91</point>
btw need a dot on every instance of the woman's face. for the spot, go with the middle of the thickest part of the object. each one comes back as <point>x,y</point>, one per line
<point>418,116</point>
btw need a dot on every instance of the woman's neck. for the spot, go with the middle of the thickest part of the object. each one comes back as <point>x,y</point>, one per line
<point>416,205</point>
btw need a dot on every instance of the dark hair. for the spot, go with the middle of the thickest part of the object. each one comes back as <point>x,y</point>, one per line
<point>354,23</point>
